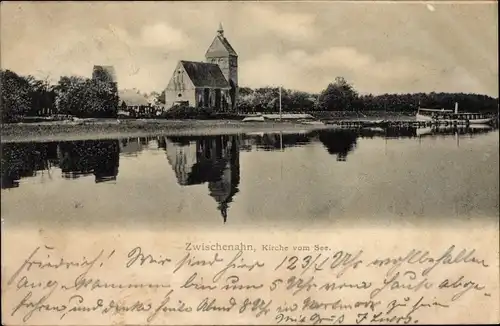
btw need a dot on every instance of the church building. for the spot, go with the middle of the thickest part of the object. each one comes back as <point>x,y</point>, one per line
<point>210,84</point>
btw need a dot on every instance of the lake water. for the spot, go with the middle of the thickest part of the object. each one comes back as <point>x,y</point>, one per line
<point>328,178</point>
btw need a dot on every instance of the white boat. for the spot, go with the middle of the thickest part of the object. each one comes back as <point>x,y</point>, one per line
<point>288,116</point>
<point>452,116</point>
<point>428,114</point>
<point>312,122</point>
<point>255,118</point>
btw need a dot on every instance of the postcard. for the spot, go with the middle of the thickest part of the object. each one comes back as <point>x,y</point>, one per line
<point>249,163</point>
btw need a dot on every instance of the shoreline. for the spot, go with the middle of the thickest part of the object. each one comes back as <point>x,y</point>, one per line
<point>37,132</point>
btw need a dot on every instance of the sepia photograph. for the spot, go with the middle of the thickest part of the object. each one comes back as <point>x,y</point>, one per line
<point>240,119</point>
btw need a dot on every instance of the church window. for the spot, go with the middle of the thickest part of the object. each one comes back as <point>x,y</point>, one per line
<point>218,98</point>
<point>179,95</point>
<point>200,100</point>
<point>206,97</point>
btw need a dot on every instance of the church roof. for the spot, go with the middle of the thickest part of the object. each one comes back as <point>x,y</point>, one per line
<point>204,74</point>
<point>132,97</point>
<point>220,47</point>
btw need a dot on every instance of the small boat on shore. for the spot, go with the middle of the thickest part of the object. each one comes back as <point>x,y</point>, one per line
<point>254,118</point>
<point>312,122</point>
<point>452,116</point>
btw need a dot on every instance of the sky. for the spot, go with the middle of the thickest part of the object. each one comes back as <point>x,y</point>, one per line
<point>378,47</point>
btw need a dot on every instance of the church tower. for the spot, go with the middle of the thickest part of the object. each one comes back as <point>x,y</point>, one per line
<point>223,54</point>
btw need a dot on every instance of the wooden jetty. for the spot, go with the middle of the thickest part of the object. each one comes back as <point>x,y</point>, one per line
<point>394,123</point>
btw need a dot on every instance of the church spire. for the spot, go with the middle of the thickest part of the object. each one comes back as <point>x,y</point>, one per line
<point>223,210</point>
<point>220,31</point>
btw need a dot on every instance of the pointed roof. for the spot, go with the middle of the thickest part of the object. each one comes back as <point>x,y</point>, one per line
<point>220,30</point>
<point>220,46</point>
<point>223,210</point>
<point>223,191</point>
<point>204,74</point>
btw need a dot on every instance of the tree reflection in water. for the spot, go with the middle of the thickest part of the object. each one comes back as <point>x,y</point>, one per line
<point>338,142</point>
<point>74,158</point>
<point>81,158</point>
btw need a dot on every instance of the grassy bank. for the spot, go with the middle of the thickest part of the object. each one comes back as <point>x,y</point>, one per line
<point>109,128</point>
<point>102,129</point>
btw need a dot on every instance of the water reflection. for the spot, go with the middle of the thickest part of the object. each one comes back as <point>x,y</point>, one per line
<point>213,161</point>
<point>276,141</point>
<point>132,146</point>
<point>336,142</point>
<point>470,131</point>
<point>20,160</point>
<point>339,142</point>
<point>389,132</point>
<point>82,158</point>
<point>195,160</point>
<point>75,159</point>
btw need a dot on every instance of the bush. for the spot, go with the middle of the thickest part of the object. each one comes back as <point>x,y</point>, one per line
<point>188,112</point>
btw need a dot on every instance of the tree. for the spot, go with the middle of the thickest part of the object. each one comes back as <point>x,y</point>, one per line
<point>260,99</point>
<point>42,97</point>
<point>245,91</point>
<point>15,96</point>
<point>102,99</point>
<point>84,98</point>
<point>70,96</point>
<point>338,96</point>
<point>300,101</point>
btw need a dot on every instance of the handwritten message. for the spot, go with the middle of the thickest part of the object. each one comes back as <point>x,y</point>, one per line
<point>243,283</point>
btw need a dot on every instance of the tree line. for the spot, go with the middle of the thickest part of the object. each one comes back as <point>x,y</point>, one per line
<point>98,98</point>
<point>81,97</point>
<point>341,96</point>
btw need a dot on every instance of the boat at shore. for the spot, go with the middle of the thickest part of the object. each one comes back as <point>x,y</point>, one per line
<point>254,118</point>
<point>312,122</point>
<point>452,116</point>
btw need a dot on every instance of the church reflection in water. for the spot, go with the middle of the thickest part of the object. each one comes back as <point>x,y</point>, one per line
<point>214,160</point>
